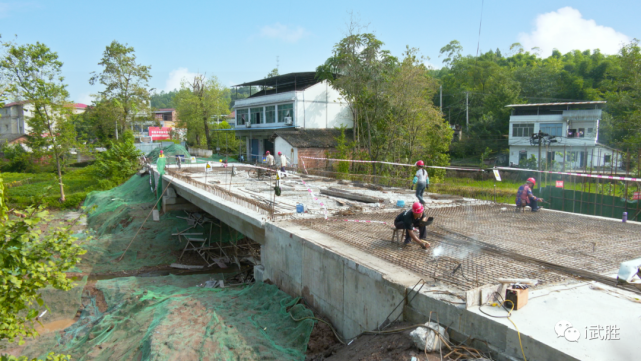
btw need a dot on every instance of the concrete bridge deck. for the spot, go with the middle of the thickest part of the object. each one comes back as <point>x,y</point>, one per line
<point>353,274</point>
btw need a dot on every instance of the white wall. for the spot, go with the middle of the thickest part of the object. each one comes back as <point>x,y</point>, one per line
<point>281,145</point>
<point>598,152</point>
<point>317,107</point>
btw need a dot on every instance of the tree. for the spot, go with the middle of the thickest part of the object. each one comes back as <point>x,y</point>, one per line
<point>120,161</point>
<point>125,83</point>
<point>30,260</point>
<point>360,70</point>
<point>34,75</point>
<point>197,102</point>
<point>273,73</point>
<point>163,100</point>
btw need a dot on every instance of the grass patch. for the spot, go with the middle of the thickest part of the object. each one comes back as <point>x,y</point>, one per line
<point>24,189</point>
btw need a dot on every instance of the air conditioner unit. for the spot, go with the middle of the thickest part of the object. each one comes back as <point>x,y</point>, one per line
<point>248,125</point>
<point>289,121</point>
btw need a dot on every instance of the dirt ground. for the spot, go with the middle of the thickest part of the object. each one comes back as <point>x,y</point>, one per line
<point>323,345</point>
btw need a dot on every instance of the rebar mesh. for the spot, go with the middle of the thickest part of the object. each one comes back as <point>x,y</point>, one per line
<point>564,239</point>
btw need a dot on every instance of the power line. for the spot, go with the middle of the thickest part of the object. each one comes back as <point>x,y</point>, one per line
<point>478,45</point>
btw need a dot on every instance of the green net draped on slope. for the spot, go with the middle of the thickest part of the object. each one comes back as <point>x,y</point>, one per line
<point>167,318</point>
<point>117,214</point>
<point>170,151</point>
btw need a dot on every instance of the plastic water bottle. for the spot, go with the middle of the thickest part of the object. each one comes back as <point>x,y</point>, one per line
<point>625,217</point>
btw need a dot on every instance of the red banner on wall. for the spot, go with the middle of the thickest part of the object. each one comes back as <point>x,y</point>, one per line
<point>559,184</point>
<point>158,133</point>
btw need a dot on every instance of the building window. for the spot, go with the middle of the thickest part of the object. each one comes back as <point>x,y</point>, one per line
<point>522,155</point>
<point>285,113</point>
<point>572,133</point>
<point>241,116</point>
<point>270,114</point>
<point>591,132</point>
<point>256,115</point>
<point>522,130</point>
<point>607,158</point>
<point>581,133</point>
<point>554,129</point>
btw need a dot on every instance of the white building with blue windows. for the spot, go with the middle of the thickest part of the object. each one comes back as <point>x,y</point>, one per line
<point>573,135</point>
<point>289,104</point>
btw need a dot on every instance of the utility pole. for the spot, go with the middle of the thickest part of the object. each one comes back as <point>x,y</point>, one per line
<point>540,149</point>
<point>441,102</point>
<point>467,112</point>
<point>116,130</point>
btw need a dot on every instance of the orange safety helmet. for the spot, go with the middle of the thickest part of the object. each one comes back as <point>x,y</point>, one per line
<point>417,208</point>
<point>531,180</point>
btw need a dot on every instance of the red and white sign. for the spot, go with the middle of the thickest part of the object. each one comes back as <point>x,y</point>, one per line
<point>559,184</point>
<point>636,195</point>
<point>157,133</point>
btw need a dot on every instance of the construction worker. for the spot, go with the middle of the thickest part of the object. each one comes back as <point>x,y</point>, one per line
<point>283,162</point>
<point>422,181</point>
<point>269,159</point>
<point>524,196</point>
<point>411,218</point>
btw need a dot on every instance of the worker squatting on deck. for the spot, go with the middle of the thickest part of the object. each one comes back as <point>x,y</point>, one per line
<point>411,218</point>
<point>524,196</point>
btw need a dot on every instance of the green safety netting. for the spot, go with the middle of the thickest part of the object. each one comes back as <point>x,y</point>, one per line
<point>116,215</point>
<point>170,151</point>
<point>169,318</point>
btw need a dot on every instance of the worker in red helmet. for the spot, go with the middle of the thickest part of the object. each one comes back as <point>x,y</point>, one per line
<point>524,196</point>
<point>422,181</point>
<point>283,163</point>
<point>411,218</point>
<point>269,159</point>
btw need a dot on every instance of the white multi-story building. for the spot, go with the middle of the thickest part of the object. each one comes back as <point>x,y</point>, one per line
<point>573,129</point>
<point>296,106</point>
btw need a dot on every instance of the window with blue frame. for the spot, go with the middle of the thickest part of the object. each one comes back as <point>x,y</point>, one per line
<point>555,129</point>
<point>242,115</point>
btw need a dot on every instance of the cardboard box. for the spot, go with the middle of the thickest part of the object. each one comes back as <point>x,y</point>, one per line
<point>517,296</point>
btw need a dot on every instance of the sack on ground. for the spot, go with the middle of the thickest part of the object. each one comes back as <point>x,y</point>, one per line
<point>423,335</point>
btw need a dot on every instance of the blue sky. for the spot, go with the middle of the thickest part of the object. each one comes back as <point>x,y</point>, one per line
<point>239,41</point>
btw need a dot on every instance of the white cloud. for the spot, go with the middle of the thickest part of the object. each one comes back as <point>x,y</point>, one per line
<point>567,30</point>
<point>282,32</point>
<point>176,76</point>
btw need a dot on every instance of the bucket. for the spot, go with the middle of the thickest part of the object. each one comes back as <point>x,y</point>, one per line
<point>400,203</point>
<point>300,208</point>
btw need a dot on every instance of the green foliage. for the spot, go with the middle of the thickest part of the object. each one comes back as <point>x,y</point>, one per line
<point>19,159</point>
<point>391,103</point>
<point>225,140</point>
<point>30,260</point>
<point>343,148</point>
<point>120,162</point>
<point>196,103</point>
<point>163,100</point>
<point>484,156</point>
<point>24,189</point>
<point>492,81</point>
<point>530,163</point>
<point>34,74</point>
<point>50,357</point>
<point>126,84</point>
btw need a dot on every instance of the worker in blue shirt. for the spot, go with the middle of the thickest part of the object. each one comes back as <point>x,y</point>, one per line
<point>524,196</point>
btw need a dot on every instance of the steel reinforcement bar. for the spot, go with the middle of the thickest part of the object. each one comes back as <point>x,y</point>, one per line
<point>224,194</point>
